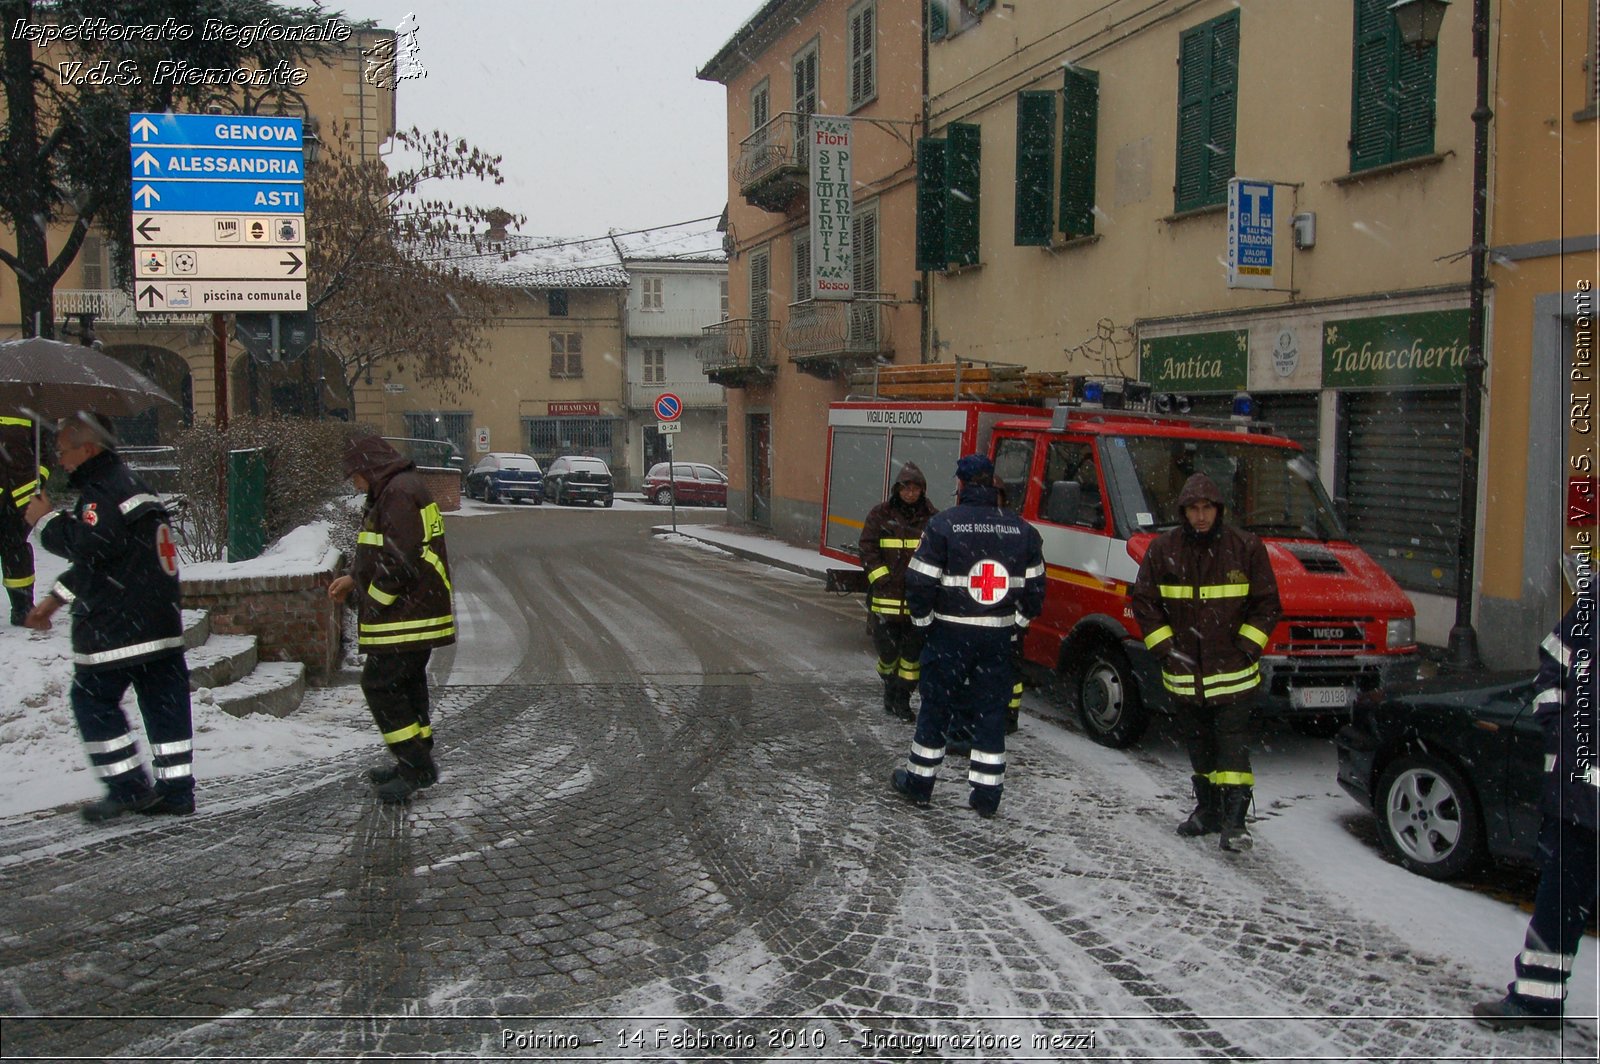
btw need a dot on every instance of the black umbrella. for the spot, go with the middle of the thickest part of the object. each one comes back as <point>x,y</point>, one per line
<point>49,379</point>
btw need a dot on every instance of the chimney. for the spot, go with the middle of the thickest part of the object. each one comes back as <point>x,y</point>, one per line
<point>497,225</point>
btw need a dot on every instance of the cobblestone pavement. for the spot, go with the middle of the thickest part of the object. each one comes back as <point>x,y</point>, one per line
<point>600,858</point>
<point>669,836</point>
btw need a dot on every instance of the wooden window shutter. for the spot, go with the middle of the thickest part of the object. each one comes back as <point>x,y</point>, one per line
<point>1223,107</point>
<point>1193,52</point>
<point>1036,120</point>
<point>864,241</point>
<point>863,56</point>
<point>1371,111</point>
<point>1415,89</point>
<point>759,297</point>
<point>930,204</point>
<point>963,172</point>
<point>802,268</point>
<point>574,354</point>
<point>980,6</point>
<point>1080,131</point>
<point>938,20</point>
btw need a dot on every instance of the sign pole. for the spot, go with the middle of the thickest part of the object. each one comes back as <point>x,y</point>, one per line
<point>219,368</point>
<point>672,478</point>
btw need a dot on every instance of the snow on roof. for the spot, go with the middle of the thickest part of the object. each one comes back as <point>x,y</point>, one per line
<point>697,241</point>
<point>538,262</point>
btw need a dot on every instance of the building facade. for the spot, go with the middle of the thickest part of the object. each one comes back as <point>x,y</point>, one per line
<point>670,303</point>
<point>788,349</point>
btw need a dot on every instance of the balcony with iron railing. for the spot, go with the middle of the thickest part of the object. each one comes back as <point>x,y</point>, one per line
<point>114,306</point>
<point>773,167</point>
<point>826,337</point>
<point>696,395</point>
<point>739,351</point>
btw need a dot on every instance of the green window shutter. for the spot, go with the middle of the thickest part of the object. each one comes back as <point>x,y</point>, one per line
<point>1080,122</point>
<point>1036,120</point>
<point>961,201</point>
<point>930,205</point>
<point>980,6</point>
<point>1193,53</point>
<point>1208,92</point>
<point>1223,108</point>
<point>1414,104</point>
<point>938,20</point>
<point>1371,112</point>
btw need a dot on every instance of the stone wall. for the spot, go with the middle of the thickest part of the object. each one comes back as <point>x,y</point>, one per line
<point>290,615</point>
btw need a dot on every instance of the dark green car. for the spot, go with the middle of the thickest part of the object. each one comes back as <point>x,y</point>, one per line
<point>1453,767</point>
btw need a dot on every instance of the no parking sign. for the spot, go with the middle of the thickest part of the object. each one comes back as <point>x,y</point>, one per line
<point>668,407</point>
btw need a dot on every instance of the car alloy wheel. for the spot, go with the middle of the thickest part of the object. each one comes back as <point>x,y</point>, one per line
<point>1428,817</point>
<point>664,497</point>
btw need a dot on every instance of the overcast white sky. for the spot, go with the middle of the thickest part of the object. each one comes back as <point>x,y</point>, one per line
<point>593,103</point>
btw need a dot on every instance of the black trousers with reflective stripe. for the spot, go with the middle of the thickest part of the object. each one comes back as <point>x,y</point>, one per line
<point>1218,738</point>
<point>396,686</point>
<point>1569,881</point>
<point>162,687</point>
<point>896,640</point>
<point>16,553</point>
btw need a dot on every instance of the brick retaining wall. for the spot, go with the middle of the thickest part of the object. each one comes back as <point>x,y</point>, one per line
<point>290,615</point>
<point>445,484</point>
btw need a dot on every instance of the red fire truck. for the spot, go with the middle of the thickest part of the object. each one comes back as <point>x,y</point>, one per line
<point>1100,484</point>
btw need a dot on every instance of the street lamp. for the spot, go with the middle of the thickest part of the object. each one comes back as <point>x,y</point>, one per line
<point>1418,22</point>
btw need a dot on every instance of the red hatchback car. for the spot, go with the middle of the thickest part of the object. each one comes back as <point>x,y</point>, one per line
<point>691,484</point>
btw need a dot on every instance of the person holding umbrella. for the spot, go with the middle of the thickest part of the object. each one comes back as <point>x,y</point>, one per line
<point>21,477</point>
<point>127,624</point>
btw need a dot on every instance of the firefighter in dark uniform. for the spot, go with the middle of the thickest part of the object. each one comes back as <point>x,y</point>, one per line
<point>889,537</point>
<point>1207,601</point>
<point>976,579</point>
<point>1569,857</point>
<point>21,477</point>
<point>127,624</point>
<point>400,583</point>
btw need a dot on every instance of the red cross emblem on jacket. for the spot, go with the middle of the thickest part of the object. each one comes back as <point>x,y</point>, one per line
<point>988,582</point>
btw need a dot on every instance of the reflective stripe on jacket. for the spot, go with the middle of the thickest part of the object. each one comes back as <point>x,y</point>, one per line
<point>401,568</point>
<point>1565,706</point>
<point>1207,607</point>
<point>889,538</point>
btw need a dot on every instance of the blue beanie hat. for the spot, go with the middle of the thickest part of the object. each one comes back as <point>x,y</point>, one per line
<point>972,466</point>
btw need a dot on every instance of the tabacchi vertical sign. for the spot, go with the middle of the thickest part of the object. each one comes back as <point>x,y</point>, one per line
<point>832,257</point>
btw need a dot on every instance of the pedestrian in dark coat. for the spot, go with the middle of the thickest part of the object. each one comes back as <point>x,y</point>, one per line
<point>127,624</point>
<point>889,537</point>
<point>399,582</point>
<point>1207,601</point>
<point>1569,858</point>
<point>977,578</point>
<point>21,477</point>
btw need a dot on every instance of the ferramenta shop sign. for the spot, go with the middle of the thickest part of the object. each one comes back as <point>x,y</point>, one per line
<point>1198,362</point>
<point>1400,350</point>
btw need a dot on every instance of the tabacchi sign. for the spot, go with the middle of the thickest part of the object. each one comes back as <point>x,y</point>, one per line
<point>832,258</point>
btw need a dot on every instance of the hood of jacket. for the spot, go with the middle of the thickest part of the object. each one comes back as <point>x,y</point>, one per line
<point>1198,487</point>
<point>373,458</point>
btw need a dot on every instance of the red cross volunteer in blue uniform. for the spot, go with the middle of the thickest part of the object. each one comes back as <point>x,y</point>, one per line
<point>127,625</point>
<point>976,579</point>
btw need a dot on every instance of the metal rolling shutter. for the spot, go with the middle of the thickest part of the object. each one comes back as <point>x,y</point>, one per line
<point>1293,415</point>
<point>1401,458</point>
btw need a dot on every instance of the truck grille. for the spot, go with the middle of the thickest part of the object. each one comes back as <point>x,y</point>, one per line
<point>1324,674</point>
<point>1329,635</point>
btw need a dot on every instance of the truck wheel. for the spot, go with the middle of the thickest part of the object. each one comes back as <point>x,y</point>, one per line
<point>1428,817</point>
<point>1108,698</point>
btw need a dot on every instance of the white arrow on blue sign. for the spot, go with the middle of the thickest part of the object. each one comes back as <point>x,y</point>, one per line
<point>220,197</point>
<point>218,164</point>
<point>219,131</point>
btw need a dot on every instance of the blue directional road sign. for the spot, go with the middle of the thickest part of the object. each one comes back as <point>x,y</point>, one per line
<point>205,189</point>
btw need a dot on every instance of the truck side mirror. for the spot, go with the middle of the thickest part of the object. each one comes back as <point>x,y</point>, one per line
<point>1063,503</point>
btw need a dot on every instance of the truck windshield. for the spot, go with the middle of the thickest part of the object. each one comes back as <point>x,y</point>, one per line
<point>1268,490</point>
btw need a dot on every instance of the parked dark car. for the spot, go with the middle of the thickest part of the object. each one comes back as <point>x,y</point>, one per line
<point>1453,768</point>
<point>691,484</point>
<point>506,475</point>
<point>576,478</point>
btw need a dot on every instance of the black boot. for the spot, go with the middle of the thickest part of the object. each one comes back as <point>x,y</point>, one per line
<point>902,702</point>
<point>21,603</point>
<point>918,790</point>
<point>381,774</point>
<point>1207,815</point>
<point>891,699</point>
<point>1235,804</point>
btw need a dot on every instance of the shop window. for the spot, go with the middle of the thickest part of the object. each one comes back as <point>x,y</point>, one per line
<point>1208,97</point>
<point>1393,90</point>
